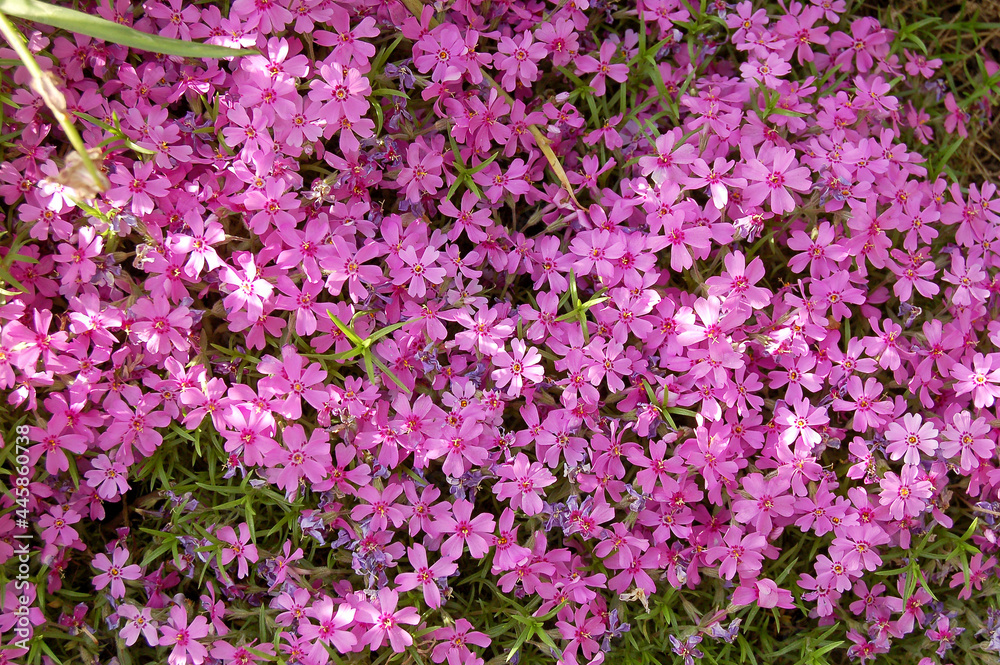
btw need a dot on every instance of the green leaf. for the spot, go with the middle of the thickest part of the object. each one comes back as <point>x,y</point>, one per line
<point>113,33</point>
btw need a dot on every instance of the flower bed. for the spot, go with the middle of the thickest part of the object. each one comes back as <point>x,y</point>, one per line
<point>487,332</point>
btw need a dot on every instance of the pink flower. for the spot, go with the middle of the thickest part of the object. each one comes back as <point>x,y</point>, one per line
<point>802,424</point>
<point>738,553</point>
<point>771,173</point>
<point>240,547</point>
<point>161,325</point>
<point>137,622</point>
<point>425,576</point>
<point>137,187</point>
<point>767,71</point>
<point>248,290</point>
<point>514,368</point>
<point>522,482</point>
<point>765,594</point>
<point>452,643</point>
<point>301,459</point>
<point>903,494</point>
<point>386,620</point>
<point>865,403</point>
<point>333,624</point>
<point>908,440</point>
<point>115,572</point>
<point>982,380</point>
<point>57,526</point>
<point>184,637</point>
<point>518,59</point>
<point>466,530</point>
<point>108,478</point>
<point>768,498</point>
<point>968,440</point>
<point>602,68</point>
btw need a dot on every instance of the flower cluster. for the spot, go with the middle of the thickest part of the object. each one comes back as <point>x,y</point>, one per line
<point>576,306</point>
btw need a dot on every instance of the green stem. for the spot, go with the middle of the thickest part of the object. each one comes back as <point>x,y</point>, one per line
<point>16,41</point>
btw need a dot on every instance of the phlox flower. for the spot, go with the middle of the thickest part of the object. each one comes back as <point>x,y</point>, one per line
<point>869,410</point>
<point>386,621</point>
<point>422,172</point>
<point>521,365</point>
<point>738,553</point>
<point>908,440</point>
<point>137,622</point>
<point>522,480</point>
<point>137,188</point>
<point>767,71</point>
<point>301,459</point>
<point>333,624</point>
<point>602,68</point>
<point>183,637</point>
<point>239,547</point>
<point>381,505</point>
<point>518,60</point>
<point>668,157</point>
<point>228,653</point>
<point>771,173</point>
<point>78,260</point>
<point>452,643</point>
<point>979,572</point>
<point>420,269</point>
<point>982,380</point>
<point>425,576</point>
<point>903,494</point>
<point>969,440</point>
<point>763,593</point>
<point>107,477</point>
<point>464,529</point>
<point>581,632</point>
<point>57,526</point>
<point>161,325</point>
<point>767,498</point>
<point>115,572</point>
<point>248,290</point>
<point>802,423</point>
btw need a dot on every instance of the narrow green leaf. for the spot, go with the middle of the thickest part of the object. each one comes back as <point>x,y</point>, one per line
<point>111,32</point>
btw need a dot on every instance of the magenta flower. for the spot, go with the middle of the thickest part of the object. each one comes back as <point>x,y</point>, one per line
<point>184,637</point>
<point>425,576</point>
<point>137,622</point>
<point>869,410</point>
<point>466,530</point>
<point>908,440</point>
<point>248,290</point>
<point>161,325</point>
<point>602,68</point>
<point>333,623</point>
<point>108,478</point>
<point>239,547</point>
<point>904,495</point>
<point>518,59</point>
<point>983,380</point>
<point>517,367</point>
<point>767,499</point>
<point>57,526</point>
<point>452,643</point>
<point>381,506</point>
<point>522,482</point>
<point>771,173</point>
<point>763,593</point>
<point>386,620</point>
<point>137,188</point>
<point>115,572</point>
<point>301,459</point>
